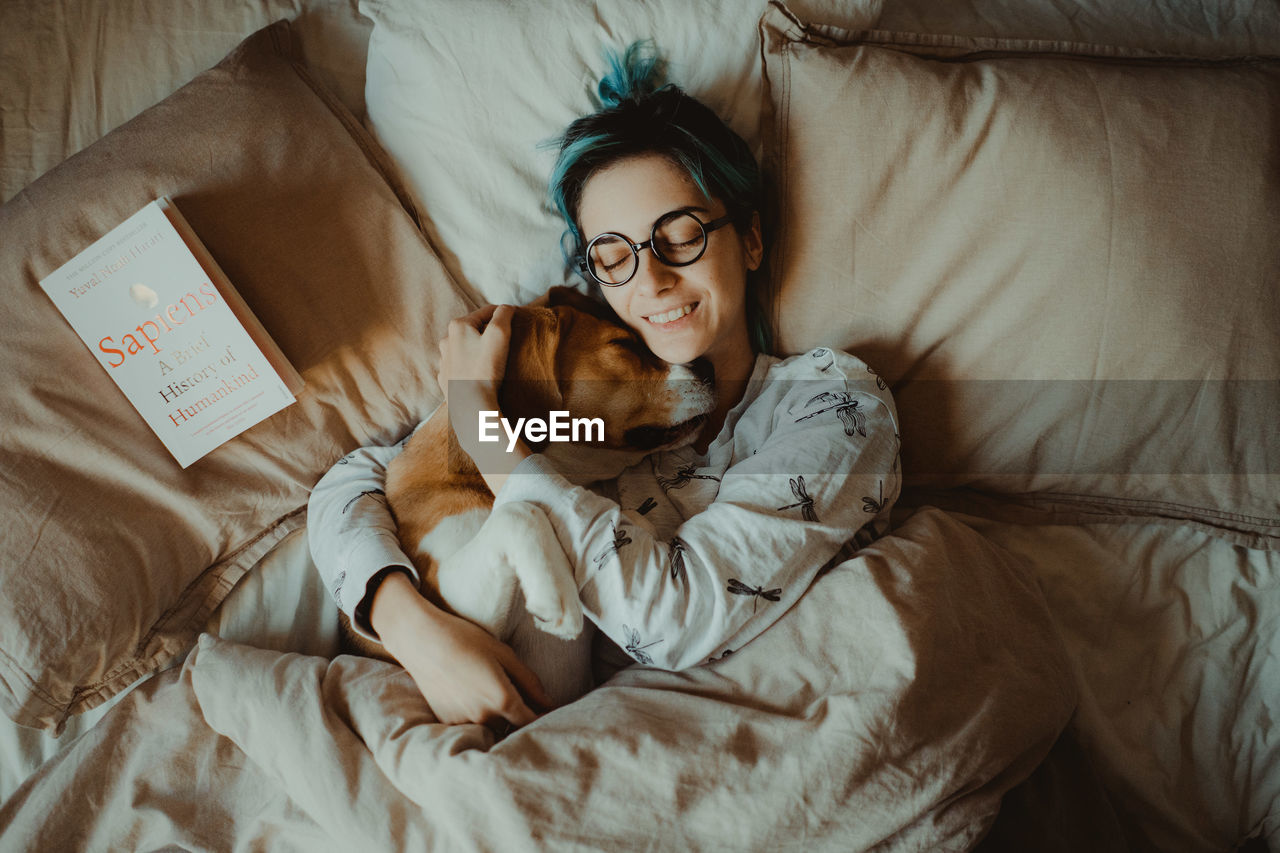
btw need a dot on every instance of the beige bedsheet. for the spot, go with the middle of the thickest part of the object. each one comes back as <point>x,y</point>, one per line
<point>891,708</point>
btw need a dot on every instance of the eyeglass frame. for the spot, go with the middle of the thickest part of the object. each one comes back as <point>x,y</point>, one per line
<point>584,266</point>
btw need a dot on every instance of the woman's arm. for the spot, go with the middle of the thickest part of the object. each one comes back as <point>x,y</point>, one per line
<point>464,672</point>
<point>351,532</point>
<point>465,675</point>
<point>827,469</point>
<point>350,529</point>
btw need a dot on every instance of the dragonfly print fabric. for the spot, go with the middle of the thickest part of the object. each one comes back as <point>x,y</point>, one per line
<point>720,544</point>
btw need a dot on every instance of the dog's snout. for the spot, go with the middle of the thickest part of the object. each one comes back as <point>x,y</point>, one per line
<point>653,436</point>
<point>649,437</point>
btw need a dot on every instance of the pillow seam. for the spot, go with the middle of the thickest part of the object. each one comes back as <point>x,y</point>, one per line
<point>779,121</point>
<point>1255,532</point>
<point>968,47</point>
<point>139,663</point>
<point>224,563</point>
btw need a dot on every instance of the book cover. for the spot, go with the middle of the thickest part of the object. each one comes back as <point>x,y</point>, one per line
<point>171,331</point>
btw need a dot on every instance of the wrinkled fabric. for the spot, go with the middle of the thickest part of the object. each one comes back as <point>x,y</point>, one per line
<point>891,708</point>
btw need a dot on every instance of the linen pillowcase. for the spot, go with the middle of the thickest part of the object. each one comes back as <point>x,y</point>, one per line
<point>128,57</point>
<point>111,556</point>
<point>466,105</point>
<point>1062,259</point>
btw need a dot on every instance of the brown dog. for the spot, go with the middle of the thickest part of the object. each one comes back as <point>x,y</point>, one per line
<point>567,354</point>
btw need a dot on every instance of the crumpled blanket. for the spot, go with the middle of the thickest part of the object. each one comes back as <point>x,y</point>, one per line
<point>890,709</point>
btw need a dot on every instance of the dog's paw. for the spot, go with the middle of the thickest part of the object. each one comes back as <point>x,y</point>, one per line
<point>554,612</point>
<point>545,574</point>
<point>483,595</point>
<point>565,627</point>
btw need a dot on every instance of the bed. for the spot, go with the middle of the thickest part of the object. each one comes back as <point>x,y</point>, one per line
<point>1051,227</point>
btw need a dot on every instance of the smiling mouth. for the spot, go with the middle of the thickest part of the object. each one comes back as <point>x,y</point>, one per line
<point>672,315</point>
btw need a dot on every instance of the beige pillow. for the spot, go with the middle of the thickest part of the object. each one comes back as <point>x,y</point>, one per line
<point>111,556</point>
<point>129,54</point>
<point>1064,263</point>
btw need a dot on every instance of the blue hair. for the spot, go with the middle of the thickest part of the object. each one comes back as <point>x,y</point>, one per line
<point>641,113</point>
<point>632,75</point>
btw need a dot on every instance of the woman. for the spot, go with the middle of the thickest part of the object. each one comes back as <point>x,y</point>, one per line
<point>695,551</point>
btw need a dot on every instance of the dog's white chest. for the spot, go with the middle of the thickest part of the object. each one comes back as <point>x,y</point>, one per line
<point>450,534</point>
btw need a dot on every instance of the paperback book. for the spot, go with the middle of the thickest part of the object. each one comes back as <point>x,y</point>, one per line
<point>166,324</point>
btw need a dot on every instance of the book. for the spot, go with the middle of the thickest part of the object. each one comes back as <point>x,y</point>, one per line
<point>166,324</point>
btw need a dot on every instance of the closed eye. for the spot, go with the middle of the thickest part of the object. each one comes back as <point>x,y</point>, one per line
<point>631,345</point>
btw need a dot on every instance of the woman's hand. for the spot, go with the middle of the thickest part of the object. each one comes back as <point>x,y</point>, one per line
<point>474,351</point>
<point>465,674</point>
<point>473,361</point>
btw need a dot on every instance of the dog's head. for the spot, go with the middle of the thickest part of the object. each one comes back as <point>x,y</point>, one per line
<point>568,352</point>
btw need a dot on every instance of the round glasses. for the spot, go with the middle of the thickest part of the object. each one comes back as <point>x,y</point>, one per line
<point>677,239</point>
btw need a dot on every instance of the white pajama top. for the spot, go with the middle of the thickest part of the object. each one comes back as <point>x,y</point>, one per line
<point>683,557</point>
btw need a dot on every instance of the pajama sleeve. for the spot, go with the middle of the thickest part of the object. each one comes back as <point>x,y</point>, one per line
<point>351,532</point>
<point>825,470</point>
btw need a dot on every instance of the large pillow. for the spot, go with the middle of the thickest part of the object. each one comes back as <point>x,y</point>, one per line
<point>1062,258</point>
<point>128,55</point>
<point>111,555</point>
<point>466,98</point>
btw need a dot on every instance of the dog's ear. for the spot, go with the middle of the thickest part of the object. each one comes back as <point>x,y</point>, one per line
<point>561,295</point>
<point>530,387</point>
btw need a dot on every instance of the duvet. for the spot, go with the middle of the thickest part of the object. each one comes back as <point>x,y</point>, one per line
<point>891,708</point>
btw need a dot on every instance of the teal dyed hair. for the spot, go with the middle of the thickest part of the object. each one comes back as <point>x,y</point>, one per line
<point>641,113</point>
<point>632,74</point>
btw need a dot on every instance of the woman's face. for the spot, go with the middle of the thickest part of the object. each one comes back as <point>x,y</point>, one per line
<point>682,313</point>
